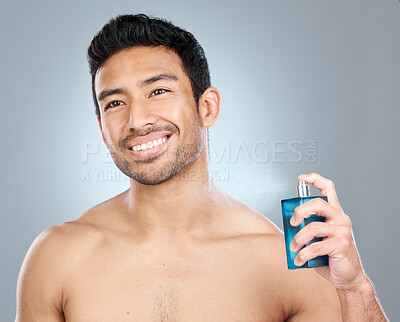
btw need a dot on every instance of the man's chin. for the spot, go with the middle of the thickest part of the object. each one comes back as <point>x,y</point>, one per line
<point>151,177</point>
<point>151,180</point>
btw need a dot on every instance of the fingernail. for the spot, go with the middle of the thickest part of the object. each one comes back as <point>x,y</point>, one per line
<point>292,247</point>
<point>292,221</point>
<point>296,262</point>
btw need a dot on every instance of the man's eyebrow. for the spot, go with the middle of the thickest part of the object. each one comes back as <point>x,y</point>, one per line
<point>147,81</point>
<point>156,78</point>
<point>109,92</point>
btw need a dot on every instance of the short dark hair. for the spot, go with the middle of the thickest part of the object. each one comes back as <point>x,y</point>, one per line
<point>126,31</point>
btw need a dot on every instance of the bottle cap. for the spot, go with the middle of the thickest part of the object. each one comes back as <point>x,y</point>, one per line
<point>303,189</point>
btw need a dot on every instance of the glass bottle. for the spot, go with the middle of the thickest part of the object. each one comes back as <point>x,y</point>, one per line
<point>288,207</point>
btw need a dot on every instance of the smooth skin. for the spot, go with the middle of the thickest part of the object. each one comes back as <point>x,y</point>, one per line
<point>179,250</point>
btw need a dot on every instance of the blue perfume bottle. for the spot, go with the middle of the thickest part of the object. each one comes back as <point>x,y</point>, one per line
<point>288,207</point>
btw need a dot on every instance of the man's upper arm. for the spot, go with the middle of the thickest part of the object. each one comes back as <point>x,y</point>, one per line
<point>314,298</point>
<point>39,290</point>
<point>305,295</point>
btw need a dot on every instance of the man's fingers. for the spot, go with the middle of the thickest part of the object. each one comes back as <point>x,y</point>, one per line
<point>337,246</point>
<point>325,186</point>
<point>319,207</point>
<point>309,232</point>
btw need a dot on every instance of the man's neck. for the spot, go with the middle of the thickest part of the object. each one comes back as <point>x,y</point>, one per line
<point>176,210</point>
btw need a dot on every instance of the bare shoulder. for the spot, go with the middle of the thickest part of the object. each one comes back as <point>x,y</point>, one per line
<point>42,275</point>
<point>55,247</point>
<point>305,295</point>
<point>242,219</point>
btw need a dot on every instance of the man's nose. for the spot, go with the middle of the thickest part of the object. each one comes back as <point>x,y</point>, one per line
<point>140,115</point>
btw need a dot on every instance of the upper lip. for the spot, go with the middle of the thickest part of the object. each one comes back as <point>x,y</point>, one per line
<point>147,138</point>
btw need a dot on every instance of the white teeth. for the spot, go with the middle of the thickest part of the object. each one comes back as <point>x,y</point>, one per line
<point>148,145</point>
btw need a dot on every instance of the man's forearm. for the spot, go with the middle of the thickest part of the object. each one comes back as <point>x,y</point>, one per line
<point>361,304</point>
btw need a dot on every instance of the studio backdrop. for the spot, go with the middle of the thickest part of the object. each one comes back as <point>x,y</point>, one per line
<point>307,86</point>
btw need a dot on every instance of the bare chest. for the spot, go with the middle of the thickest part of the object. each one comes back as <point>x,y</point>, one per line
<point>194,286</point>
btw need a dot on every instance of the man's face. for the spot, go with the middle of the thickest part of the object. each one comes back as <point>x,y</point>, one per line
<point>149,118</point>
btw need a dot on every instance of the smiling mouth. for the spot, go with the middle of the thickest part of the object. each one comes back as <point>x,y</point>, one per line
<point>151,144</point>
<point>149,148</point>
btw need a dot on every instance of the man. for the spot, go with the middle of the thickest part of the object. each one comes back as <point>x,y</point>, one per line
<point>173,247</point>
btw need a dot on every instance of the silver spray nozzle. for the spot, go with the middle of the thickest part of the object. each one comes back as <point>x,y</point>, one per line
<point>303,189</point>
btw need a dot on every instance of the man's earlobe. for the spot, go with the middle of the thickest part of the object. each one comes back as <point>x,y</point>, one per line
<point>101,130</point>
<point>209,106</point>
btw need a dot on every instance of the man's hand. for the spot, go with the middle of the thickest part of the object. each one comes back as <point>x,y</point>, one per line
<point>345,271</point>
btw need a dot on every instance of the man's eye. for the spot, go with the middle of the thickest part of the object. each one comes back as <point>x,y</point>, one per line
<point>158,91</point>
<point>113,104</point>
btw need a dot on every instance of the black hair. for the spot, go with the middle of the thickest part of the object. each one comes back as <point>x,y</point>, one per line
<point>126,31</point>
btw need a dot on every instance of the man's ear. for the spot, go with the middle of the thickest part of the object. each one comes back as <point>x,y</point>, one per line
<point>209,106</point>
<point>101,129</point>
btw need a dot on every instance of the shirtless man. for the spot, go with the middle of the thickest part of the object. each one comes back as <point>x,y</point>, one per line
<point>173,247</point>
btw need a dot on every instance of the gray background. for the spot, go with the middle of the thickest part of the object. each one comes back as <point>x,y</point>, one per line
<point>288,71</point>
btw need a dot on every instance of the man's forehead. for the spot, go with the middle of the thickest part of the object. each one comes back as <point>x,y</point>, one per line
<point>137,63</point>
